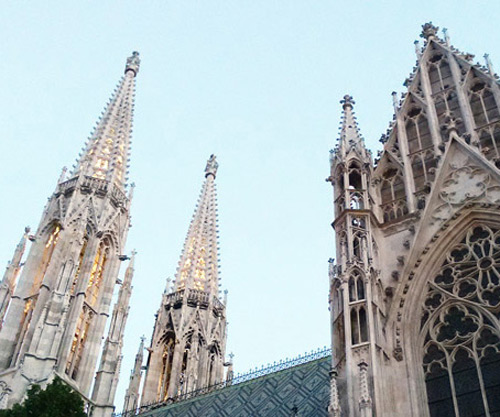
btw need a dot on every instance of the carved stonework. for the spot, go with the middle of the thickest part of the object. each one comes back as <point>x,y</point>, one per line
<point>466,182</point>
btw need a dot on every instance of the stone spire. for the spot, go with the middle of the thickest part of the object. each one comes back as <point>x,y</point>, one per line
<point>132,394</point>
<point>11,273</point>
<point>350,136</point>
<point>109,370</point>
<point>198,267</point>
<point>188,344</point>
<point>107,152</point>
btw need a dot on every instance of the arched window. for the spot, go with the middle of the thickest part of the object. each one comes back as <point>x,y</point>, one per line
<point>166,368</point>
<point>356,288</point>
<point>97,272</point>
<point>48,251</point>
<point>393,194</point>
<point>212,365</point>
<point>487,118</point>
<point>80,260</point>
<point>79,340</point>
<point>359,325</point>
<point>460,325</point>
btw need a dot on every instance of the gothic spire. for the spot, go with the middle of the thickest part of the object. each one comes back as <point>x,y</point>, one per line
<point>350,136</point>
<point>132,394</point>
<point>198,267</point>
<point>106,154</point>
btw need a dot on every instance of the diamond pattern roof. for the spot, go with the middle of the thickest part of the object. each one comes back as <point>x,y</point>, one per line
<point>304,386</point>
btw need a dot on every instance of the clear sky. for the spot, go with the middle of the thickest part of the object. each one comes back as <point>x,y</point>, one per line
<point>255,82</point>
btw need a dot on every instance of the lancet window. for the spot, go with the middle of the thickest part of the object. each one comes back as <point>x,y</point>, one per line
<point>166,369</point>
<point>359,326</point>
<point>422,155</point>
<point>460,329</point>
<point>444,91</point>
<point>355,187</point>
<point>356,288</point>
<point>97,272</point>
<point>487,118</point>
<point>81,256</point>
<point>48,251</point>
<point>212,365</point>
<point>393,195</point>
<point>79,340</point>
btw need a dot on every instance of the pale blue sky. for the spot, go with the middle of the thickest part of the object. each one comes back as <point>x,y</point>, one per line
<point>255,82</point>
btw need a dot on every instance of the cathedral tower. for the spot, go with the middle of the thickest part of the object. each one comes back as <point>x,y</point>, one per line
<point>189,337</point>
<point>57,313</point>
<point>352,303</point>
<point>415,292</point>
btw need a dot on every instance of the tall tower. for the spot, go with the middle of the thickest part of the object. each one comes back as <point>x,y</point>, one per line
<point>189,337</point>
<point>351,302</point>
<point>415,293</point>
<point>58,311</point>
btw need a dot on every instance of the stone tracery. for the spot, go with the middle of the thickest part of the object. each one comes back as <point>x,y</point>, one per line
<point>460,326</point>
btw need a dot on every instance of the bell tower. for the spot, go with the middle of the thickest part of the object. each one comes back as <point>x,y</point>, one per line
<point>57,313</point>
<point>189,337</point>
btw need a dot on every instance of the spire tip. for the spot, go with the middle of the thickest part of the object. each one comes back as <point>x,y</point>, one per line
<point>212,165</point>
<point>133,63</point>
<point>429,31</point>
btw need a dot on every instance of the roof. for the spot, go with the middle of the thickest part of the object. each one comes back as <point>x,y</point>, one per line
<point>304,386</point>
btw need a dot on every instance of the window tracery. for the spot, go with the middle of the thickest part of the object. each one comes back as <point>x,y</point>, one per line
<point>393,194</point>
<point>487,118</point>
<point>461,323</point>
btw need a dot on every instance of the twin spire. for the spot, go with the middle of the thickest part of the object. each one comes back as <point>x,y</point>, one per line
<point>107,152</point>
<point>198,267</point>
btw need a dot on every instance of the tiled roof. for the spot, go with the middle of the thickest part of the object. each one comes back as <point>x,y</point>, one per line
<point>304,387</point>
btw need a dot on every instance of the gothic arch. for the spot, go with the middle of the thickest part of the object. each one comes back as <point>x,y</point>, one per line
<point>417,326</point>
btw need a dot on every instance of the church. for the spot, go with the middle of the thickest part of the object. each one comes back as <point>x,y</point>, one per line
<point>414,296</point>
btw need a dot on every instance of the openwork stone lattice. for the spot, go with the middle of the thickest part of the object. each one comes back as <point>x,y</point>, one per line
<point>461,326</point>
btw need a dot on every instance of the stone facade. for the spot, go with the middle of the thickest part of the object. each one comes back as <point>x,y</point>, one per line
<point>415,288</point>
<point>58,308</point>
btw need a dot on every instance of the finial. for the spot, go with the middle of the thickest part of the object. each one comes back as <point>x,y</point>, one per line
<point>446,36</point>
<point>489,65</point>
<point>143,339</point>
<point>212,165</point>
<point>133,63</point>
<point>347,101</point>
<point>429,31</point>
<point>62,177</point>
<point>418,50</point>
<point>395,100</point>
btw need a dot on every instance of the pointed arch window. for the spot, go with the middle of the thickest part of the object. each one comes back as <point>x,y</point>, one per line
<point>81,257</point>
<point>487,118</point>
<point>393,194</point>
<point>48,251</point>
<point>359,325</point>
<point>166,367</point>
<point>460,328</point>
<point>356,288</point>
<point>97,272</point>
<point>79,341</point>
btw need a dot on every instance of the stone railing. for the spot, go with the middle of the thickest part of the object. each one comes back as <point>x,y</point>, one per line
<point>192,297</point>
<point>97,185</point>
